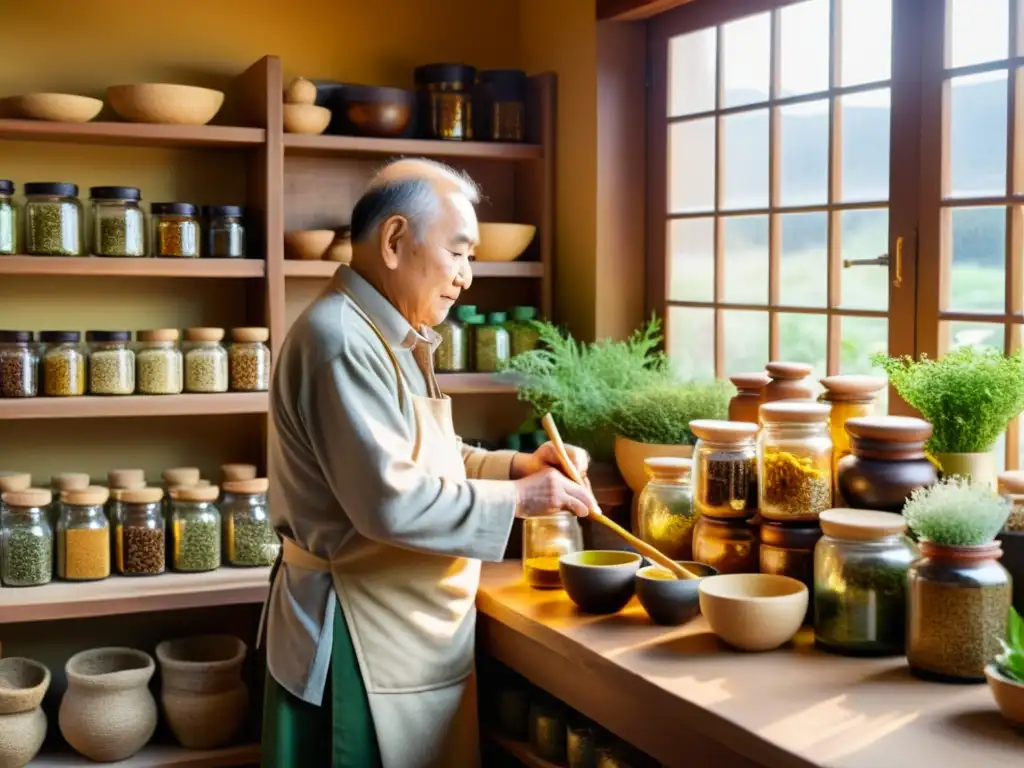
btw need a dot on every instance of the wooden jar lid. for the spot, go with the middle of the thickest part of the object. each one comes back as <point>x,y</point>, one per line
<point>795,411</point>
<point>889,429</point>
<point>783,370</point>
<point>204,334</point>
<point>15,481</point>
<point>668,467</point>
<point>181,476</point>
<point>195,493</point>
<point>142,495</point>
<point>247,487</point>
<point>158,334</point>
<point>86,497</point>
<point>846,388</point>
<point>29,497</point>
<point>1011,482</point>
<point>720,431</point>
<point>861,524</point>
<point>250,335</point>
<point>233,472</point>
<point>126,478</point>
<point>750,380</point>
<point>70,481</point>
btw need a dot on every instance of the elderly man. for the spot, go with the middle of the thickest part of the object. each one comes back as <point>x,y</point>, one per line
<point>385,515</point>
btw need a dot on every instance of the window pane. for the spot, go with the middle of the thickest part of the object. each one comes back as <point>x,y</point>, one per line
<point>745,58</point>
<point>691,166</point>
<point>804,129</point>
<point>978,31</point>
<point>864,235</point>
<point>803,339</point>
<point>978,244</point>
<point>866,146</point>
<point>804,54</point>
<point>977,135</point>
<point>746,160</point>
<point>866,49</point>
<point>956,334</point>
<point>746,260</point>
<point>746,340</point>
<point>804,266</point>
<point>691,72</point>
<point>690,335</point>
<point>861,338</point>
<point>691,247</point>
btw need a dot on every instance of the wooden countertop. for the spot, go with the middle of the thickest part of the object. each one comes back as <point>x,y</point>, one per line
<point>685,698</point>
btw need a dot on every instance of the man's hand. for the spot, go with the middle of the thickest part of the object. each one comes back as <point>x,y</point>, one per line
<point>526,464</point>
<point>549,490</point>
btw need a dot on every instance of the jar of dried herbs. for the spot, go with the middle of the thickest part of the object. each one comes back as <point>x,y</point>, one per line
<point>111,363</point>
<point>452,354</point>
<point>118,222</point>
<point>63,363</point>
<point>728,545</point>
<point>249,360</point>
<point>224,232</point>
<point>249,538</point>
<point>665,514</point>
<point>26,538</point>
<point>794,460</point>
<point>206,360</point>
<point>83,535</point>
<point>8,219</point>
<point>195,529</point>
<point>159,364</point>
<point>725,459</point>
<point>522,330</point>
<point>53,219</point>
<point>19,364</point>
<point>787,549</point>
<point>492,343</point>
<point>175,230</point>
<point>139,539</point>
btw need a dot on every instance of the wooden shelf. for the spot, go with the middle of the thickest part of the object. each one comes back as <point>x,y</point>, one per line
<point>472,384</point>
<point>162,756</point>
<point>95,407</point>
<point>326,269</point>
<point>300,144</point>
<point>133,134</point>
<point>519,750</point>
<point>124,267</point>
<point>140,594</point>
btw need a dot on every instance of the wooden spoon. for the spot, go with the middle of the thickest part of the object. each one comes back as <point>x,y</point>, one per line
<point>639,545</point>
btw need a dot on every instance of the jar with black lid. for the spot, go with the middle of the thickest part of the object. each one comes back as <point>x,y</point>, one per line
<point>500,105</point>
<point>788,550</point>
<point>19,364</point>
<point>175,230</point>
<point>444,94</point>
<point>111,363</point>
<point>63,363</point>
<point>8,219</point>
<point>53,219</point>
<point>224,233</point>
<point>118,222</point>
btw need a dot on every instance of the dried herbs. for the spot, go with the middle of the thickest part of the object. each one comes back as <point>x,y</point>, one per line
<point>492,347</point>
<point>793,486</point>
<point>225,232</point>
<point>53,229</point>
<point>249,368</point>
<point>27,556</point>
<point>63,364</point>
<point>196,545</point>
<point>111,364</point>
<point>727,483</point>
<point>861,608</point>
<point>19,368</point>
<point>251,542</point>
<point>175,230</point>
<point>8,220</point>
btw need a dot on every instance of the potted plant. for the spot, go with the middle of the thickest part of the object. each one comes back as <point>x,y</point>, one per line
<point>1006,674</point>
<point>969,396</point>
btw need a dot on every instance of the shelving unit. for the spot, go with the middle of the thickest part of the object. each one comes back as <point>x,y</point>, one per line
<point>95,407</point>
<point>159,756</point>
<point>481,269</point>
<point>519,750</point>
<point>44,266</point>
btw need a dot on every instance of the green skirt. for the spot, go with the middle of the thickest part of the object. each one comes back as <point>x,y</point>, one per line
<point>338,733</point>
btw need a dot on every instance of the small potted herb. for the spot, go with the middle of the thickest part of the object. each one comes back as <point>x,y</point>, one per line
<point>958,593</point>
<point>1006,674</point>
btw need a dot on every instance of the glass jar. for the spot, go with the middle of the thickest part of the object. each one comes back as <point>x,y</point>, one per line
<point>523,333</point>
<point>959,602</point>
<point>206,360</point>
<point>665,511</point>
<point>159,365</point>
<point>887,464</point>
<point>140,546</point>
<point>860,582</point>
<point>445,100</point>
<point>794,461</point>
<point>26,538</point>
<point>175,230</point>
<point>545,539</point>
<point>63,363</point>
<point>788,550</point>
<point>224,232</point>
<point>19,364</point>
<point>111,363</point>
<point>233,472</point>
<point>548,729</point>
<point>851,397</point>
<point>787,381</point>
<point>53,219</point>
<point>249,538</point>
<point>195,529</point>
<point>8,219</point>
<point>500,105</point>
<point>83,535</point>
<point>745,403</point>
<point>452,354</point>
<point>118,222</point>
<point>492,343</point>
<point>725,459</point>
<point>249,360</point>
<point>728,546</point>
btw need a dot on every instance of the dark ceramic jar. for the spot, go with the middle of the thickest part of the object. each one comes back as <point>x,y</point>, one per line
<point>728,546</point>
<point>788,550</point>
<point>851,397</point>
<point>788,381</point>
<point>887,462</point>
<point>745,403</point>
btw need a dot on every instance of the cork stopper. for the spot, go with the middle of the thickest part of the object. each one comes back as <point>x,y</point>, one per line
<point>70,481</point>
<point>126,478</point>
<point>668,467</point>
<point>891,429</point>
<point>781,370</point>
<point>29,497</point>
<point>861,524</point>
<point>181,476</point>
<point>142,495</point>
<point>852,388</point>
<point>203,483</point>
<point>250,335</point>
<point>750,382</point>
<point>1009,483</point>
<point>93,495</point>
<point>795,412</point>
<point>719,431</point>
<point>195,493</point>
<point>15,481</point>
<point>247,487</point>
<point>204,334</point>
<point>232,472</point>
<point>159,334</point>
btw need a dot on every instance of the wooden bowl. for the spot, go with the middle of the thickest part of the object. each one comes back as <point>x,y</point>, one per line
<point>55,107</point>
<point>1009,695</point>
<point>165,103</point>
<point>503,242</point>
<point>307,244</point>
<point>753,611</point>
<point>599,580</point>
<point>631,455</point>
<point>340,250</point>
<point>667,600</point>
<point>369,110</point>
<point>305,118</point>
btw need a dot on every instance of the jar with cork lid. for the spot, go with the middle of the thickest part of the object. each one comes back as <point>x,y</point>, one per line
<point>139,537</point>
<point>159,364</point>
<point>787,381</point>
<point>83,535</point>
<point>249,360</point>
<point>745,403</point>
<point>725,459</point>
<point>794,460</point>
<point>119,481</point>
<point>230,473</point>
<point>206,360</point>
<point>26,538</point>
<point>65,481</point>
<point>195,529</point>
<point>13,481</point>
<point>851,397</point>
<point>249,538</point>
<point>665,514</point>
<point>177,477</point>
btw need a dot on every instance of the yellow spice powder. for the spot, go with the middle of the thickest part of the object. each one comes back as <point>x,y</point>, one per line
<point>86,553</point>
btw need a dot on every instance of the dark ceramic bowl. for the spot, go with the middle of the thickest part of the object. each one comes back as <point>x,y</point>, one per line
<point>667,600</point>
<point>601,580</point>
<point>373,111</point>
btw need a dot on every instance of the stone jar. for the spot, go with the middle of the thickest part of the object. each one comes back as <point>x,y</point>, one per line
<point>202,693</point>
<point>23,683</point>
<point>107,713</point>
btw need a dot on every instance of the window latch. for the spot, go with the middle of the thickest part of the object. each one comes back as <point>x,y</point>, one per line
<point>882,261</point>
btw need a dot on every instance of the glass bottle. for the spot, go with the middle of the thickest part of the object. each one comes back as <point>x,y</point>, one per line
<point>63,363</point>
<point>83,535</point>
<point>119,481</point>
<point>787,381</point>
<point>224,231</point>
<point>19,364</point>
<point>851,397</point>
<point>729,545</point>
<point>725,459</point>
<point>445,100</point>
<point>794,460</point>
<point>206,360</point>
<point>452,354</point>
<point>745,403</point>
<point>545,539</point>
<point>26,538</point>
<point>195,529</point>
<point>499,105</point>
<point>159,364</point>
<point>249,538</point>
<point>492,345</point>
<point>473,325</point>
<point>665,509</point>
<point>175,230</point>
<point>523,334</point>
<point>53,219</point>
<point>788,550</point>
<point>8,219</point>
<point>111,363</point>
<point>118,222</point>
<point>139,535</point>
<point>249,360</point>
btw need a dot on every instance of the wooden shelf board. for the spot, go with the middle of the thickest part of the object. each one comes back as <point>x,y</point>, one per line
<point>133,134</point>
<point>519,750</point>
<point>163,756</point>
<point>140,594</point>
<point>124,267</point>
<point>300,144</point>
<point>94,407</point>
<point>472,383</point>
<point>485,269</point>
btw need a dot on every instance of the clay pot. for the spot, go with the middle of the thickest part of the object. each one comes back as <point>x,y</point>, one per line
<point>979,468</point>
<point>631,455</point>
<point>107,712</point>
<point>23,683</point>
<point>745,403</point>
<point>789,381</point>
<point>203,696</point>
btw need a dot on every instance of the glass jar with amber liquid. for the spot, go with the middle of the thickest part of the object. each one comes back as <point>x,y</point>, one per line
<point>545,540</point>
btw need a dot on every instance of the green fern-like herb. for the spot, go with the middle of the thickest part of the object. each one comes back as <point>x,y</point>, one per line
<point>1011,660</point>
<point>969,396</point>
<point>661,414</point>
<point>955,513</point>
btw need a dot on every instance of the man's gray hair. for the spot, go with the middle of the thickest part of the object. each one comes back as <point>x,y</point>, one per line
<point>415,198</point>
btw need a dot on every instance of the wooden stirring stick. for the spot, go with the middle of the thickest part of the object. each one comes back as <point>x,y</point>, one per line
<point>639,545</point>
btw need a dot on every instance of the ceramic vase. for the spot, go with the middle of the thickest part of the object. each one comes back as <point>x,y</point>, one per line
<point>979,468</point>
<point>202,693</point>
<point>631,455</point>
<point>23,683</point>
<point>107,712</point>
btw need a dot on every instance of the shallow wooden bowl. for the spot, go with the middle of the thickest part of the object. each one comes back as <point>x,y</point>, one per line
<point>165,103</point>
<point>668,600</point>
<point>504,242</point>
<point>307,244</point>
<point>305,118</point>
<point>55,107</point>
<point>1009,695</point>
<point>753,611</point>
<point>599,580</point>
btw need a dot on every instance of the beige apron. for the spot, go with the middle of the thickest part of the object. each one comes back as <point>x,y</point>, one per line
<point>412,617</point>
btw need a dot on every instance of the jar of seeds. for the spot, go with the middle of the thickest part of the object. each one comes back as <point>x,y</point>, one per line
<point>111,363</point>
<point>794,457</point>
<point>118,222</point>
<point>139,545</point>
<point>175,230</point>
<point>249,360</point>
<point>83,535</point>
<point>249,538</point>
<point>493,345</point>
<point>159,365</point>
<point>119,481</point>
<point>522,331</point>
<point>224,232</point>
<point>53,219</point>
<point>195,529</point>
<point>63,363</point>
<point>206,360</point>
<point>8,219</point>
<point>19,364</point>
<point>26,538</point>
